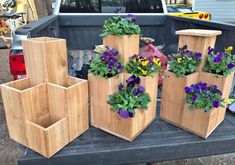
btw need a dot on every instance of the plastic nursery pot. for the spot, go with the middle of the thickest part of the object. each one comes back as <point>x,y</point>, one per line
<point>104,118</point>
<point>199,122</point>
<point>127,45</point>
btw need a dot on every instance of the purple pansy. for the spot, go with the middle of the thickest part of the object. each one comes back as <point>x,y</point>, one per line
<point>120,87</point>
<point>194,98</point>
<point>217,59</point>
<point>197,55</point>
<point>188,89</point>
<point>119,66</point>
<point>117,10</point>
<point>211,50</point>
<point>230,65</point>
<point>138,90</point>
<point>131,17</point>
<point>132,81</point>
<point>123,113</point>
<point>215,103</point>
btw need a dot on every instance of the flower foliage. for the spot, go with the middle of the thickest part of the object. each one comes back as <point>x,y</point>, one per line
<point>222,63</point>
<point>129,98</point>
<point>107,64</point>
<point>120,26</point>
<point>143,66</point>
<point>201,96</point>
<point>185,62</point>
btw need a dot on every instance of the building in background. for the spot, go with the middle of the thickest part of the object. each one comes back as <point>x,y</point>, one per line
<point>221,10</point>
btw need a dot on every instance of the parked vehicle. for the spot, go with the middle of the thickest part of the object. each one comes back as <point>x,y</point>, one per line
<point>80,23</point>
<point>184,11</point>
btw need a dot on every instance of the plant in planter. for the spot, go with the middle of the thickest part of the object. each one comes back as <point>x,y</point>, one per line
<point>221,63</point>
<point>129,98</point>
<point>120,26</point>
<point>107,64</point>
<point>202,112</point>
<point>201,96</point>
<point>122,34</point>
<point>185,62</point>
<point>143,66</point>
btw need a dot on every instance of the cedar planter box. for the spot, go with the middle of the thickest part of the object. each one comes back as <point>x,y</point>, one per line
<point>47,116</point>
<point>127,45</point>
<point>200,122</point>
<point>173,96</point>
<point>101,115</point>
<point>224,84</point>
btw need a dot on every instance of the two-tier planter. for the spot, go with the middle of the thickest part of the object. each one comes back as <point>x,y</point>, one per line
<point>101,115</point>
<point>48,109</point>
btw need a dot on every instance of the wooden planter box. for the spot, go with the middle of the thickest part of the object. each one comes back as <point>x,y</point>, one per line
<point>101,115</point>
<point>224,84</point>
<point>47,116</point>
<point>126,45</point>
<point>200,122</point>
<point>173,96</point>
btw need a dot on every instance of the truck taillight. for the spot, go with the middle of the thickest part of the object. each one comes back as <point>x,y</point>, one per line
<point>17,65</point>
<point>206,16</point>
<point>201,16</point>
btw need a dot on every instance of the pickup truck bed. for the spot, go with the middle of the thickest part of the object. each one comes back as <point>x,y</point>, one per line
<point>159,142</point>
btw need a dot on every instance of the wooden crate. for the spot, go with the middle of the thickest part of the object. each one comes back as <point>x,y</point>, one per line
<point>47,116</point>
<point>198,40</point>
<point>44,61</point>
<point>101,115</point>
<point>126,45</point>
<point>200,122</point>
<point>173,86</point>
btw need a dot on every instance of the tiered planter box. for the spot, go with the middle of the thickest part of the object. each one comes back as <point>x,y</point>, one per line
<point>126,45</point>
<point>101,115</point>
<point>173,108</point>
<point>40,114</point>
<point>173,96</point>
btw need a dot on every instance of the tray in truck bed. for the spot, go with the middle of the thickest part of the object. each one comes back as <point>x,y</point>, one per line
<point>159,142</point>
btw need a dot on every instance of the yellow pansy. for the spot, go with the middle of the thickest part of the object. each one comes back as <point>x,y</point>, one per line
<point>229,49</point>
<point>144,72</point>
<point>156,61</point>
<point>144,63</point>
<point>179,60</point>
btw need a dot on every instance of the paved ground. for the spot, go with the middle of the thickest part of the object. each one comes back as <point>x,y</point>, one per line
<point>10,150</point>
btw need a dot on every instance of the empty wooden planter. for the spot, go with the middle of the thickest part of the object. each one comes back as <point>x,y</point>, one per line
<point>101,115</point>
<point>127,45</point>
<point>173,96</point>
<point>48,109</point>
<point>47,116</point>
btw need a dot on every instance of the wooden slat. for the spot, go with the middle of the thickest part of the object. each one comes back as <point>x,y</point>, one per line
<point>41,56</point>
<point>199,32</point>
<point>77,107</point>
<point>14,114</point>
<point>126,45</point>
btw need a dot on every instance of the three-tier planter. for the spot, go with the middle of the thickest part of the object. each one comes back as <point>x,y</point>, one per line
<point>173,107</point>
<point>48,109</point>
<point>104,118</point>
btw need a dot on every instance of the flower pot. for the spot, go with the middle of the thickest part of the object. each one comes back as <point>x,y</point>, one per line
<point>200,122</point>
<point>46,117</point>
<point>126,45</point>
<point>101,115</point>
<point>198,40</point>
<point>224,84</point>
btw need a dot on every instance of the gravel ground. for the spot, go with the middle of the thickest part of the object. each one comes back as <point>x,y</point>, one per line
<point>10,150</point>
